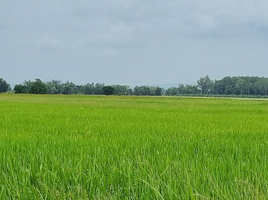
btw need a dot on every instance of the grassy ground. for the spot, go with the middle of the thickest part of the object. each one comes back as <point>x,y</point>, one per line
<point>97,147</point>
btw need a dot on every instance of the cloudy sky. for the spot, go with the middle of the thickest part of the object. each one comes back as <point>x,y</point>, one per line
<point>132,42</point>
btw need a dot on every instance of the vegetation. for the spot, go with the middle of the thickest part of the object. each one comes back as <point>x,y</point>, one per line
<point>111,147</point>
<point>148,91</point>
<point>238,85</point>
<point>4,86</point>
<point>19,89</point>
<point>183,90</point>
<point>38,87</point>
<point>108,90</point>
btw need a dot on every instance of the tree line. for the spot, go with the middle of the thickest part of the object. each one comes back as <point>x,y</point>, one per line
<point>236,85</point>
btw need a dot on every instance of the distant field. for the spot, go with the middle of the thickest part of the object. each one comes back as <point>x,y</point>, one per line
<point>112,147</point>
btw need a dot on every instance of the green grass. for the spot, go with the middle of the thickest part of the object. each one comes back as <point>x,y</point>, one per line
<point>97,147</point>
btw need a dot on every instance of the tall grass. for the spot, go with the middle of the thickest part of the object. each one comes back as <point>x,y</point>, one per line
<point>97,147</point>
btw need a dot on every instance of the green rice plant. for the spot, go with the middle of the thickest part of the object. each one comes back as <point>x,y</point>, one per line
<point>118,147</point>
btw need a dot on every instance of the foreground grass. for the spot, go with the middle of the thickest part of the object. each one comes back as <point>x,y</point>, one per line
<point>96,147</point>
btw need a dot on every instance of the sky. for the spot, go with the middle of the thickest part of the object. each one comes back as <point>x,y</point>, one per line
<point>132,42</point>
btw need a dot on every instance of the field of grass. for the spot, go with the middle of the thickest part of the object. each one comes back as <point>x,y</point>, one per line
<point>99,147</point>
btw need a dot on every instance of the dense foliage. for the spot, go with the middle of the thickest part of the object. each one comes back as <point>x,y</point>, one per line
<point>236,85</point>
<point>4,86</point>
<point>56,87</point>
<point>108,90</point>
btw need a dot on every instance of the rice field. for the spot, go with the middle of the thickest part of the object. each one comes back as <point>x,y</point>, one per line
<point>119,147</point>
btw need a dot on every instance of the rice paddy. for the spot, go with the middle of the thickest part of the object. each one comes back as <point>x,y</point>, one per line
<point>120,147</point>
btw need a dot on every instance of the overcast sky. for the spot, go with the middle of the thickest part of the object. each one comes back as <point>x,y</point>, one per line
<point>132,42</point>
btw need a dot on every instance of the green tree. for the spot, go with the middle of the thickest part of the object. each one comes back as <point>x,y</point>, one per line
<point>191,89</point>
<point>69,88</point>
<point>38,87</point>
<point>224,86</point>
<point>54,87</point>
<point>147,90</point>
<point>172,91</point>
<point>20,89</point>
<point>158,91</point>
<point>98,88</point>
<point>248,85</point>
<point>4,86</point>
<point>183,90</point>
<point>240,84</point>
<point>108,90</point>
<point>263,85</point>
<point>205,84</point>
<point>122,90</point>
<point>89,88</point>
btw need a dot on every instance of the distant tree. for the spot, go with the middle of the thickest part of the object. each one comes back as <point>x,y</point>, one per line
<point>140,90</point>
<point>54,87</point>
<point>172,91</point>
<point>69,88</point>
<point>158,91</point>
<point>240,84</point>
<point>183,90</point>
<point>248,84</point>
<point>4,86</point>
<point>80,89</point>
<point>122,90</point>
<point>224,86</point>
<point>192,89</point>
<point>108,90</point>
<point>205,84</point>
<point>38,87</point>
<point>20,89</point>
<point>263,85</point>
<point>89,88</point>
<point>28,85</point>
<point>146,90</point>
<point>98,88</point>
<point>255,87</point>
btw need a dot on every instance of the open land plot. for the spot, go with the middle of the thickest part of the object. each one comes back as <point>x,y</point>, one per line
<point>112,147</point>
